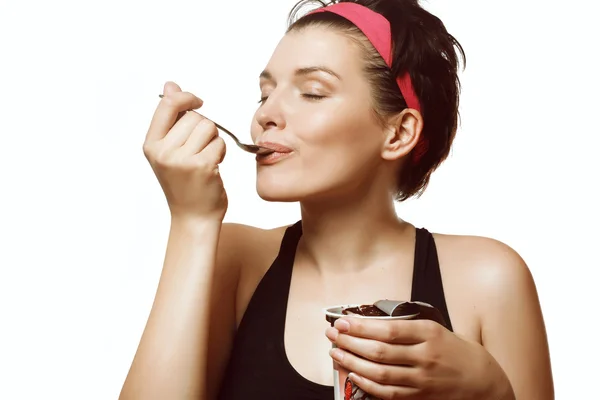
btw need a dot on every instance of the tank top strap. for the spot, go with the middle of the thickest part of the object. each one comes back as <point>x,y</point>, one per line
<point>427,283</point>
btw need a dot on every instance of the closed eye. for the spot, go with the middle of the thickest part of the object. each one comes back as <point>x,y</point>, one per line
<point>312,96</point>
<point>305,95</point>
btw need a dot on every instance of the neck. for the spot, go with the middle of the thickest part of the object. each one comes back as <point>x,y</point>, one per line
<point>351,236</point>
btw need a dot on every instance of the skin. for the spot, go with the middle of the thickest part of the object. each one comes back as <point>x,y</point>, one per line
<point>354,249</point>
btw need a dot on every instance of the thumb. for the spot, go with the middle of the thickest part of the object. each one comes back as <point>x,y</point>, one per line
<point>171,87</point>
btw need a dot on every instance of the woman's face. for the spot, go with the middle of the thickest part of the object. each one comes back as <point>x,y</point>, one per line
<point>316,102</point>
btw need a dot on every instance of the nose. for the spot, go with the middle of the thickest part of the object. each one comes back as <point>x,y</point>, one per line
<point>270,114</point>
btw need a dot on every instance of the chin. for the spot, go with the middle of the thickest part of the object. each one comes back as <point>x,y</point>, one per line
<point>278,185</point>
<point>291,188</point>
<point>279,193</point>
<point>294,192</point>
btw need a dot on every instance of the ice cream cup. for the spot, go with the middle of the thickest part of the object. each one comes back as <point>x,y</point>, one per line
<point>344,389</point>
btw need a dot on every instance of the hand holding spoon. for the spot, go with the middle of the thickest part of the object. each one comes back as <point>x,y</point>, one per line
<point>250,148</point>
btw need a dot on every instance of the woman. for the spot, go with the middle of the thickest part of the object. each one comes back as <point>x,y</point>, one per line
<point>359,104</point>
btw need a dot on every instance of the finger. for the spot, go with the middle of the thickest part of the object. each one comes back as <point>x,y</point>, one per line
<point>167,112</point>
<point>389,331</point>
<point>170,88</point>
<point>380,373</point>
<point>181,131</point>
<point>385,391</point>
<point>214,152</point>
<point>376,351</point>
<point>200,136</point>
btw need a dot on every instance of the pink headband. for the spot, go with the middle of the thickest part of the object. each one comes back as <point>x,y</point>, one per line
<point>377,29</point>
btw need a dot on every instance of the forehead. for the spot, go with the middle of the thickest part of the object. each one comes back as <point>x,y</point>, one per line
<point>316,46</point>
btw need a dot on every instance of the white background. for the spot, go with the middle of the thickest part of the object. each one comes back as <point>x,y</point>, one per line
<point>83,223</point>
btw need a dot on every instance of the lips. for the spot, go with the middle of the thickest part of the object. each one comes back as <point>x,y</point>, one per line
<point>279,153</point>
<point>276,147</point>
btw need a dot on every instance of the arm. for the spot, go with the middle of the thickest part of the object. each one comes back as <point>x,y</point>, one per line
<point>512,325</point>
<point>172,357</point>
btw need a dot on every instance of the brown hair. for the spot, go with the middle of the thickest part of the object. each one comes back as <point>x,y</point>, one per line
<point>422,47</point>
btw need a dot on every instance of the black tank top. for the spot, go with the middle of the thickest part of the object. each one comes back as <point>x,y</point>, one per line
<point>259,368</point>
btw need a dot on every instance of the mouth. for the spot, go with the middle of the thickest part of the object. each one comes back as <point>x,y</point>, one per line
<point>278,152</point>
<point>275,147</point>
<point>271,158</point>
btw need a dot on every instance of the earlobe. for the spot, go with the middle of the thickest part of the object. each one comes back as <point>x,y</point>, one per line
<point>402,134</point>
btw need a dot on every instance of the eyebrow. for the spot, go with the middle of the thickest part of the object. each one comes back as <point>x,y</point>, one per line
<point>303,72</point>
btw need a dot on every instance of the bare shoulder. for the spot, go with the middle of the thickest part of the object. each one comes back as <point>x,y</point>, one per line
<point>492,268</point>
<point>243,250</point>
<point>246,240</point>
<point>253,250</point>
<point>482,278</point>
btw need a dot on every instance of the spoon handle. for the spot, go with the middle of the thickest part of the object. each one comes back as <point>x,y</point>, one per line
<point>217,125</point>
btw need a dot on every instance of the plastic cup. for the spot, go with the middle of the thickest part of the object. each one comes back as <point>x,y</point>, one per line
<point>344,389</point>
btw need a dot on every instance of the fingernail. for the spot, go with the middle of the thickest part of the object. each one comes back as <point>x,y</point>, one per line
<point>342,325</point>
<point>331,334</point>
<point>353,377</point>
<point>336,354</point>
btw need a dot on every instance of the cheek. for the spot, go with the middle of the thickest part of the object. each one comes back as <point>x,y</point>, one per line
<point>338,159</point>
<point>340,140</point>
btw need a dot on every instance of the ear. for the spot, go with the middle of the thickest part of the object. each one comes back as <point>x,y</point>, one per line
<point>402,134</point>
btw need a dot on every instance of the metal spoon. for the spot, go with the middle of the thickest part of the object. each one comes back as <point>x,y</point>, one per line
<point>250,148</point>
